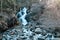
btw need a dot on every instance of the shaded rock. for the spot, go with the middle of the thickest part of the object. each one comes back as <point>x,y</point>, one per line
<point>12,22</point>
<point>38,23</point>
<point>3,26</point>
<point>6,24</point>
<point>40,39</point>
<point>57,35</point>
<point>23,37</point>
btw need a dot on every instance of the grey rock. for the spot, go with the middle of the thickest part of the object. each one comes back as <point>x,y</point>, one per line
<point>36,7</point>
<point>38,30</point>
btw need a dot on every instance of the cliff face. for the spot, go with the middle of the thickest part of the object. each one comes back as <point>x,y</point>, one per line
<point>52,13</point>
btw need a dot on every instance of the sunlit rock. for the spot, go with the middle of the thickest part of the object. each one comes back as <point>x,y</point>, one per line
<point>38,30</point>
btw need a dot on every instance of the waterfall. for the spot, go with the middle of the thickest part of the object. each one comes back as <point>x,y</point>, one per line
<point>27,32</point>
<point>22,14</point>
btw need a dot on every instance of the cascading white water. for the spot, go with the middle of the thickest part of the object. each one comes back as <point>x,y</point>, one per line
<point>23,14</point>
